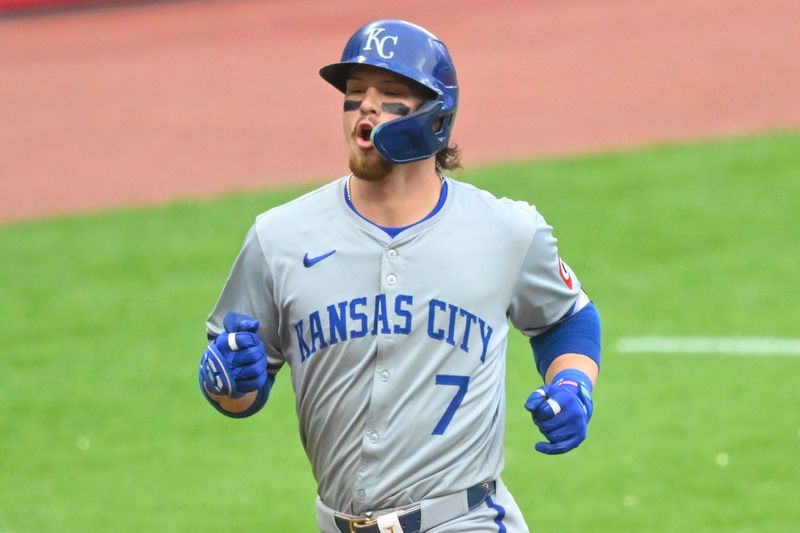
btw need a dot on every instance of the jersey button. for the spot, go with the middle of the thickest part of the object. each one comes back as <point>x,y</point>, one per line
<point>392,253</point>
<point>373,436</point>
<point>384,375</point>
<point>361,494</point>
<point>391,279</point>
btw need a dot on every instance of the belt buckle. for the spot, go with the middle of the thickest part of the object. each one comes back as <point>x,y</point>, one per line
<point>477,494</point>
<point>354,523</point>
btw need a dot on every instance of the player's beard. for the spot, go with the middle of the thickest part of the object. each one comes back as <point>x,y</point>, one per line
<point>369,165</point>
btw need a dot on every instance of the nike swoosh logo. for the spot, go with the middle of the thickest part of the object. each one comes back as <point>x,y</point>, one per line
<point>308,262</point>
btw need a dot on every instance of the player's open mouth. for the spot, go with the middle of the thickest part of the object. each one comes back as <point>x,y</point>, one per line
<point>363,134</point>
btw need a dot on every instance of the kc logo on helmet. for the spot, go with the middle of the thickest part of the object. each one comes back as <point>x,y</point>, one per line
<point>374,38</point>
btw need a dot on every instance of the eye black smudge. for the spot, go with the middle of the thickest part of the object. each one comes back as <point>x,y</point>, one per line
<point>396,109</point>
<point>352,105</point>
<point>392,108</point>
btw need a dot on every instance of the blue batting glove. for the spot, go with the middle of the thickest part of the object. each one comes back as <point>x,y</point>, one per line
<point>234,321</point>
<point>235,363</point>
<point>562,411</point>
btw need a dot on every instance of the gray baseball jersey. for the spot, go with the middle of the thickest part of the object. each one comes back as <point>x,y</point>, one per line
<point>397,346</point>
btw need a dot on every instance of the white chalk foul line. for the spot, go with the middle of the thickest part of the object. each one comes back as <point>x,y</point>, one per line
<point>710,345</point>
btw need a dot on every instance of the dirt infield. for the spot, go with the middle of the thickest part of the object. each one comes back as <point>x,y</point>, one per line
<point>189,99</point>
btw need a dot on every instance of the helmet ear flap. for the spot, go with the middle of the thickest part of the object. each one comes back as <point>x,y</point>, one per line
<point>444,125</point>
<point>413,137</point>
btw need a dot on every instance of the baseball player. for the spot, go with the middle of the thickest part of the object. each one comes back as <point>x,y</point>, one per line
<point>390,293</point>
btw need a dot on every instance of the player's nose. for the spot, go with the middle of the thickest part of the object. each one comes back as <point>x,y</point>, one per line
<point>371,104</point>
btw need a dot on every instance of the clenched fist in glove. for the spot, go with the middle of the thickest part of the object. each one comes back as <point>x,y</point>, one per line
<point>234,363</point>
<point>562,411</point>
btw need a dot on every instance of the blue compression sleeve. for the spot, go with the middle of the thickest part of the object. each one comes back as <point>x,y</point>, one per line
<point>579,333</point>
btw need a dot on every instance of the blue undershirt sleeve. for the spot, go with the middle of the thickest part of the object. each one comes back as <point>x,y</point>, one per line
<point>579,334</point>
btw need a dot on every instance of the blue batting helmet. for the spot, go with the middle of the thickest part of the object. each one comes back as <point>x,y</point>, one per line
<point>414,53</point>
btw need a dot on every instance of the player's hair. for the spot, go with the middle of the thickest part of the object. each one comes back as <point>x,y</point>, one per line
<point>448,158</point>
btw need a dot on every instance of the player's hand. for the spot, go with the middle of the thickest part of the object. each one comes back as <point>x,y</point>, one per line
<point>562,412</point>
<point>235,363</point>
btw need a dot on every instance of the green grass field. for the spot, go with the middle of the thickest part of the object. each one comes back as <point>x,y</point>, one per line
<point>103,427</point>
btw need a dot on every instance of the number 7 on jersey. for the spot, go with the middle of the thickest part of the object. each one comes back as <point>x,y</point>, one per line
<point>455,381</point>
